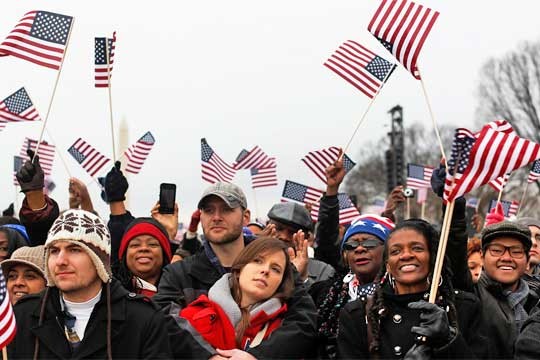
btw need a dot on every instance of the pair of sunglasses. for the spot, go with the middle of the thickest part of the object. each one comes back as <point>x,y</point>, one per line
<point>367,244</point>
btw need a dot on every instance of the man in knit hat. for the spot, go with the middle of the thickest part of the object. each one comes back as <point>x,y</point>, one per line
<point>84,313</point>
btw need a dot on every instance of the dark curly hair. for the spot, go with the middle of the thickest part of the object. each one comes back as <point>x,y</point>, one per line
<point>446,296</point>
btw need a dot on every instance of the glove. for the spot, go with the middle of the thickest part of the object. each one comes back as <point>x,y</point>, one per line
<point>433,324</point>
<point>418,352</point>
<point>496,215</point>
<point>437,180</point>
<point>116,184</point>
<point>195,218</point>
<point>30,176</point>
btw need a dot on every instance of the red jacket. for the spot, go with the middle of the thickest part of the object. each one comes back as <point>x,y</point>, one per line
<point>209,319</point>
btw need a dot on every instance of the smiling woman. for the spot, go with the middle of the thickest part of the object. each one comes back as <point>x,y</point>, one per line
<point>144,251</point>
<point>244,307</point>
<point>25,272</point>
<point>398,317</point>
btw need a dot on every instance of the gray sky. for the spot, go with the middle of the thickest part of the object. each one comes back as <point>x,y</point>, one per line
<point>241,73</point>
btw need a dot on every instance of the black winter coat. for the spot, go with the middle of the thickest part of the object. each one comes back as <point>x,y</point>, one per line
<point>184,281</point>
<point>396,337</point>
<point>498,320</point>
<point>138,329</point>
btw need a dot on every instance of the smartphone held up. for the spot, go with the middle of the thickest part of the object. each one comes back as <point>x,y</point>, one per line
<point>167,198</point>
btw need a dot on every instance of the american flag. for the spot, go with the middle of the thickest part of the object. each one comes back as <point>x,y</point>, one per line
<point>18,107</point>
<point>421,195</point>
<point>483,158</point>
<point>18,162</point>
<point>263,177</point>
<point>89,158</point>
<point>39,37</point>
<point>418,176</point>
<point>360,67</point>
<point>103,67</point>
<point>402,26</point>
<point>534,174</point>
<point>308,195</point>
<point>256,158</point>
<point>138,152</point>
<point>472,202</point>
<point>214,169</point>
<point>8,327</point>
<point>319,160</point>
<point>510,208</point>
<point>499,183</point>
<point>46,153</point>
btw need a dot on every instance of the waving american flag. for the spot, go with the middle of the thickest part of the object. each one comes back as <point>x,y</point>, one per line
<point>40,37</point>
<point>89,158</point>
<point>138,152</point>
<point>318,160</point>
<point>18,107</point>
<point>103,60</point>
<point>213,168</point>
<point>8,327</point>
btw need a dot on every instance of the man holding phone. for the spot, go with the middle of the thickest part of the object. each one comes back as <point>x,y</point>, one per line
<point>223,214</point>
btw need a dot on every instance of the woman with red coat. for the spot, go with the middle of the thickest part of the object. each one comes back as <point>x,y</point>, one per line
<point>244,307</point>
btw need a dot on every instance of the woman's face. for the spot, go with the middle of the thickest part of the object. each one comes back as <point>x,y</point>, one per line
<point>474,262</point>
<point>3,246</point>
<point>23,280</point>
<point>260,279</point>
<point>408,260</point>
<point>144,257</point>
<point>364,261</point>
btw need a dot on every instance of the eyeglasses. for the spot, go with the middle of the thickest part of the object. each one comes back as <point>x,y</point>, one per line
<point>517,252</point>
<point>368,244</point>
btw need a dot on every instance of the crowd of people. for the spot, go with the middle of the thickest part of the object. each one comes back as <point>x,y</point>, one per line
<point>234,288</point>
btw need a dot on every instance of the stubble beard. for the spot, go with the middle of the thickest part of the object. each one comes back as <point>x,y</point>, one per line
<point>228,238</point>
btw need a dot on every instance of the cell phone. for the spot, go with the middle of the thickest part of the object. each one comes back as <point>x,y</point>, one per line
<point>167,198</point>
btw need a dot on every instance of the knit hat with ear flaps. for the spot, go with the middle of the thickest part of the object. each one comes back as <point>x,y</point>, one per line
<point>87,230</point>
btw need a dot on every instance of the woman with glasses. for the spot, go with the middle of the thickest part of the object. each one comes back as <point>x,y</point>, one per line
<point>397,321</point>
<point>361,249</point>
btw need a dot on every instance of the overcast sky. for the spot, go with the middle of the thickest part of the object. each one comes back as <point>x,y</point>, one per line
<point>241,73</point>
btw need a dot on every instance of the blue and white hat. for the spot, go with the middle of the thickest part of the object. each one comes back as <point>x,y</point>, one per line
<point>376,225</point>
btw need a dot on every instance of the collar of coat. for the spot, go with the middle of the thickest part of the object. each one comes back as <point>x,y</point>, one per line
<point>220,293</point>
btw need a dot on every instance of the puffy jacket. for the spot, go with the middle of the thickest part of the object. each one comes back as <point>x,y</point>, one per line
<point>215,318</point>
<point>395,329</point>
<point>138,328</point>
<point>184,281</point>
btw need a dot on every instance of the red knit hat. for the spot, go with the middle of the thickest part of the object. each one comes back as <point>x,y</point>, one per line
<point>146,226</point>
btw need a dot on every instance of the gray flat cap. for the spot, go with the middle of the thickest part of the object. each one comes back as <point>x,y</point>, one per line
<point>292,214</point>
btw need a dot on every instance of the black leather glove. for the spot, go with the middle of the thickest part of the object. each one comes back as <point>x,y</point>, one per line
<point>433,324</point>
<point>418,352</point>
<point>115,185</point>
<point>30,176</point>
<point>437,180</point>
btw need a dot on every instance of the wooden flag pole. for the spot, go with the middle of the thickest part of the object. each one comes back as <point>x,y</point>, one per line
<point>54,88</point>
<point>110,97</point>
<point>423,211</point>
<point>441,251</point>
<point>4,353</point>
<point>408,208</point>
<point>432,116</point>
<point>256,205</point>
<point>365,114</point>
<point>59,153</point>
<point>522,198</point>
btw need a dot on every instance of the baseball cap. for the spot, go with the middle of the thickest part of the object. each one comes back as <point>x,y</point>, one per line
<point>230,193</point>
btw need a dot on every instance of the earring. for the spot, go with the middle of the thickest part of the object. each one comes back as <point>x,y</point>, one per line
<point>388,277</point>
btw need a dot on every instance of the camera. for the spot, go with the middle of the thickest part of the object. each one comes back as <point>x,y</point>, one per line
<point>408,193</point>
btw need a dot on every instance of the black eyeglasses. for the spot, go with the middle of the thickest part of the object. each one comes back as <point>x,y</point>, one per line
<point>517,252</point>
<point>368,244</point>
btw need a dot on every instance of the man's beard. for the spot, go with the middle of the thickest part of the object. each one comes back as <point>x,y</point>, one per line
<point>227,238</point>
